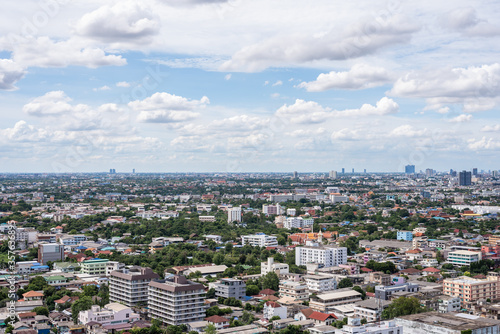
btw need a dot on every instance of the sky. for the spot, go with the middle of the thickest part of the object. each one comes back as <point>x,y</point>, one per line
<point>249,86</point>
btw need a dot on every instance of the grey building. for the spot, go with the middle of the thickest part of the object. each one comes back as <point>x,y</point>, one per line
<point>385,292</point>
<point>230,287</point>
<point>130,286</point>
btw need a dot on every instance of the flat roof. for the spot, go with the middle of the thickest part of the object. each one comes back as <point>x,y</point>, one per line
<point>340,294</point>
<point>454,321</point>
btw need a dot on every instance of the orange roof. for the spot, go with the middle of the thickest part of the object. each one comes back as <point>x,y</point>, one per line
<point>32,294</point>
<point>321,316</point>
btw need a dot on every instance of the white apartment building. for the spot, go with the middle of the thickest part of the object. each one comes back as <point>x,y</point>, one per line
<point>207,219</point>
<point>370,309</point>
<point>110,314</point>
<point>320,283</point>
<point>176,300</point>
<point>112,266</point>
<point>271,266</point>
<point>291,212</point>
<point>216,238</point>
<point>259,239</point>
<point>234,214</point>
<point>297,222</point>
<point>463,257</point>
<point>449,304</point>
<point>326,302</point>
<point>324,256</point>
<point>384,327</point>
<point>130,286</point>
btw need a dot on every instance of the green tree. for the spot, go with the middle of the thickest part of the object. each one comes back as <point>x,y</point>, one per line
<point>402,306</point>
<point>252,290</point>
<point>345,283</point>
<point>270,281</point>
<point>360,290</point>
<point>41,310</point>
<point>82,304</point>
<point>210,329</point>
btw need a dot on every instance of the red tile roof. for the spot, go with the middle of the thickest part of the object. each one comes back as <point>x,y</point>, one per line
<point>32,294</point>
<point>321,316</point>
<point>267,292</point>
<point>273,304</point>
<point>431,270</point>
<point>216,319</point>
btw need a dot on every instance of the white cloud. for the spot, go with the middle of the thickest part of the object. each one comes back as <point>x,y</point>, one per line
<point>44,52</point>
<point>227,76</point>
<point>476,88</point>
<point>50,104</point>
<point>278,83</point>
<point>126,21</point>
<point>167,108</point>
<point>360,76</point>
<point>345,134</point>
<point>385,106</point>
<point>10,73</point>
<point>304,112</point>
<point>491,128</point>
<point>461,119</point>
<point>123,84</point>
<point>105,87</point>
<point>356,40</point>
<point>483,144</point>
<point>407,131</point>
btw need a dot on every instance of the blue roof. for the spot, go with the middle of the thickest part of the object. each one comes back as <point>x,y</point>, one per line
<point>81,247</point>
<point>39,267</point>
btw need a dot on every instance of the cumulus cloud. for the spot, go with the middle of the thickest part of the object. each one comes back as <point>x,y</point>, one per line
<point>483,144</point>
<point>126,21</point>
<point>304,112</point>
<point>385,106</point>
<point>23,132</point>
<point>123,84</point>
<point>476,88</point>
<point>10,73</point>
<point>345,134</point>
<point>105,87</point>
<point>167,108</point>
<point>278,83</point>
<point>360,76</point>
<point>407,131</point>
<point>44,52</point>
<point>50,104</point>
<point>359,39</point>
<point>491,128</point>
<point>461,119</point>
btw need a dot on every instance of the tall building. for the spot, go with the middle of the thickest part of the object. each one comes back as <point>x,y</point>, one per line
<point>353,170</point>
<point>325,256</point>
<point>332,174</point>
<point>176,300</point>
<point>130,286</point>
<point>410,169</point>
<point>50,252</point>
<point>234,214</point>
<point>465,178</point>
<point>429,172</point>
<point>343,170</point>
<point>231,287</point>
<point>271,266</point>
<point>295,175</point>
<point>469,289</point>
<point>474,171</point>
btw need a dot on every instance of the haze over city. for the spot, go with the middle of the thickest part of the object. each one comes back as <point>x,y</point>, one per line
<point>242,86</point>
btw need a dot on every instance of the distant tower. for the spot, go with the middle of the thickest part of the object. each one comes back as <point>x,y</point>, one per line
<point>465,178</point>
<point>474,171</point>
<point>343,170</point>
<point>410,169</point>
<point>332,174</point>
<point>320,236</point>
<point>353,170</point>
<point>133,171</point>
<point>295,175</point>
<point>364,171</point>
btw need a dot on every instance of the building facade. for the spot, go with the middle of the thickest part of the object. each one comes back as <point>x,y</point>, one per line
<point>259,239</point>
<point>176,300</point>
<point>230,288</point>
<point>322,255</point>
<point>271,266</point>
<point>130,286</point>
<point>94,267</point>
<point>50,252</point>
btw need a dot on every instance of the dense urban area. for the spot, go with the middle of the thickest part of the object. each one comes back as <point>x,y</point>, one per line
<point>337,252</point>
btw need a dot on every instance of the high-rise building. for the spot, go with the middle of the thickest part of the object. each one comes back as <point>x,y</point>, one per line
<point>234,214</point>
<point>353,170</point>
<point>364,171</point>
<point>176,300</point>
<point>494,173</point>
<point>474,171</point>
<point>295,175</point>
<point>332,174</point>
<point>429,172</point>
<point>410,169</point>
<point>323,255</point>
<point>343,170</point>
<point>130,286</point>
<point>465,178</point>
<point>50,252</point>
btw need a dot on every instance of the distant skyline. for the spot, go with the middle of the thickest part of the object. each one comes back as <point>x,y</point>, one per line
<point>249,86</point>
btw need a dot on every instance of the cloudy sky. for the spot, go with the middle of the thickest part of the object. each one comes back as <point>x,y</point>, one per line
<point>240,85</point>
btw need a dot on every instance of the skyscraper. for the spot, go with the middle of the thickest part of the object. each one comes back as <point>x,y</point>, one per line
<point>332,174</point>
<point>474,171</point>
<point>295,175</point>
<point>410,169</point>
<point>343,170</point>
<point>465,178</point>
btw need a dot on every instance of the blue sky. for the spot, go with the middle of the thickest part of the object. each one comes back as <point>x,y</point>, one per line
<point>236,85</point>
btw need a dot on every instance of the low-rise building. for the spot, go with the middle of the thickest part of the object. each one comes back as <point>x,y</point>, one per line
<point>385,292</point>
<point>325,302</point>
<point>320,283</point>
<point>463,257</point>
<point>446,323</point>
<point>354,327</point>
<point>259,239</point>
<point>94,267</point>
<point>448,304</point>
<point>271,266</point>
<point>110,314</point>
<point>295,290</point>
<point>272,309</point>
<point>370,309</point>
<point>470,290</point>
